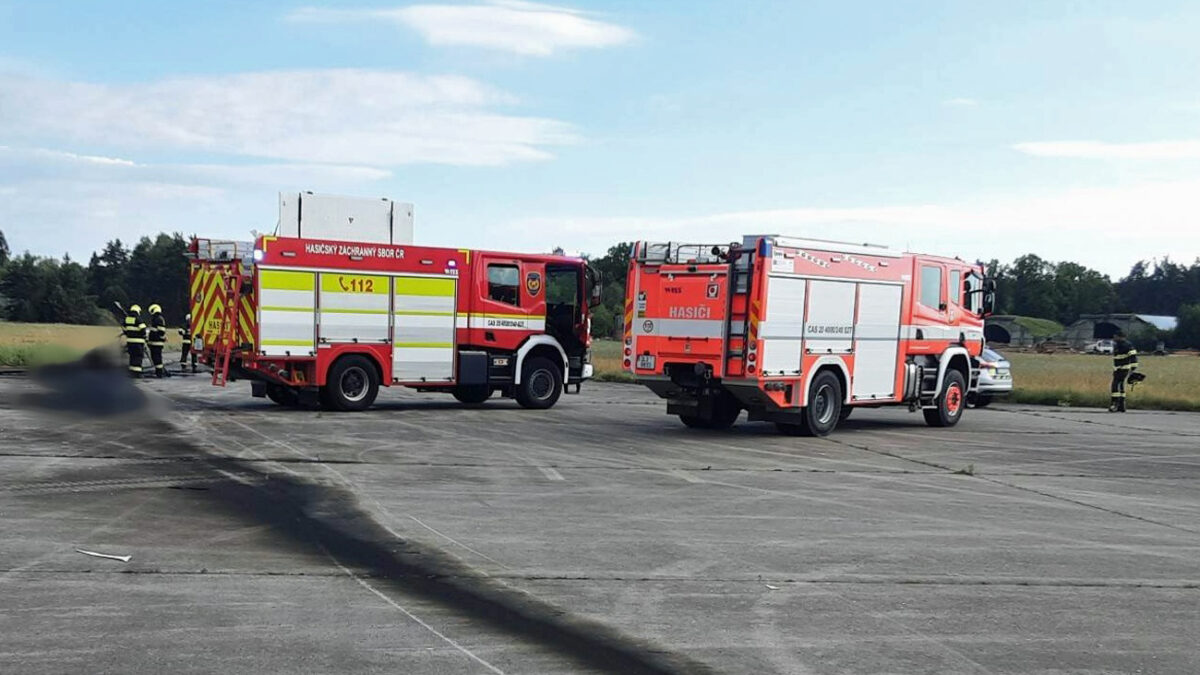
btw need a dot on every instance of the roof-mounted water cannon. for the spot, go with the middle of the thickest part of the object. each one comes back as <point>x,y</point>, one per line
<point>728,253</point>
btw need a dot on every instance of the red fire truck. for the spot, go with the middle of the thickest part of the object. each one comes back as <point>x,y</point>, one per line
<point>331,321</point>
<point>800,332</point>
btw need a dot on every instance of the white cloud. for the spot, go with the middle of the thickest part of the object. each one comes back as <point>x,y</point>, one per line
<point>961,102</point>
<point>522,28</point>
<point>339,116</point>
<point>52,217</point>
<point>1108,228</point>
<point>28,164</point>
<point>56,201</point>
<point>1181,149</point>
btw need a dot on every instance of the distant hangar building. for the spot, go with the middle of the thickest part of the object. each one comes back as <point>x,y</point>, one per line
<point>1009,330</point>
<point>1091,327</point>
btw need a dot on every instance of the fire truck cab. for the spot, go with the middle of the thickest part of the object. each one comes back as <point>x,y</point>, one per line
<point>319,320</point>
<point>800,332</point>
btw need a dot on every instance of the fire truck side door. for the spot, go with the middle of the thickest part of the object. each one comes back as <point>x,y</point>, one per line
<point>954,297</point>
<point>931,293</point>
<point>509,302</point>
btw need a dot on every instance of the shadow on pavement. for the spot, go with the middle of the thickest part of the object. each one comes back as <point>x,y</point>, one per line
<point>321,518</point>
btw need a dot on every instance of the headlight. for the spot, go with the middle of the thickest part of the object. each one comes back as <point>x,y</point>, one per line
<point>258,255</point>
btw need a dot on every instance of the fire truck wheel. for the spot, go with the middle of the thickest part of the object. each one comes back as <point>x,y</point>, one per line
<point>541,384</point>
<point>473,394</point>
<point>352,384</point>
<point>950,402</point>
<point>284,396</point>
<point>823,411</point>
<point>725,411</point>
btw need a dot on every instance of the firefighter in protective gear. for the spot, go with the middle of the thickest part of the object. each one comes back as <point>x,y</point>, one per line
<point>1125,362</point>
<point>134,331</point>
<point>185,334</point>
<point>158,339</point>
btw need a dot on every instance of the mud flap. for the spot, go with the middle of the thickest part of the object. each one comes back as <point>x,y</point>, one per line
<point>472,368</point>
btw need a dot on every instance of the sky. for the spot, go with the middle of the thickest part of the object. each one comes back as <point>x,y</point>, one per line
<point>980,130</point>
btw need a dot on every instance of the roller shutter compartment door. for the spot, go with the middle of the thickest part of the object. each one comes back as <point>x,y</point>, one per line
<point>423,332</point>
<point>287,313</point>
<point>354,308</point>
<point>782,327</point>
<point>876,342</point>
<point>830,325</point>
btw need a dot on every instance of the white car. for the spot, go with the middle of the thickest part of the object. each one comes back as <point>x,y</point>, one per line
<point>995,378</point>
<point>1100,347</point>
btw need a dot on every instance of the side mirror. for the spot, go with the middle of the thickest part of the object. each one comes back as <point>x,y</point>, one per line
<point>989,304</point>
<point>596,295</point>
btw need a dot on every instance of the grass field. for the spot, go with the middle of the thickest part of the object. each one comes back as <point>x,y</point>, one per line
<point>1052,379</point>
<point>606,357</point>
<point>33,344</point>
<point>1173,382</point>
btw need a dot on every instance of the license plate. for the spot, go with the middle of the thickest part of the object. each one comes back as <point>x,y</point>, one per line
<point>645,362</point>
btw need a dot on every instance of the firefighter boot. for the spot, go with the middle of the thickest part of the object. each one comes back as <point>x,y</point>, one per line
<point>1121,405</point>
<point>1116,405</point>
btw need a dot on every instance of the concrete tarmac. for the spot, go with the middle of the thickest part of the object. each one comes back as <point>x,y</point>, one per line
<point>424,536</point>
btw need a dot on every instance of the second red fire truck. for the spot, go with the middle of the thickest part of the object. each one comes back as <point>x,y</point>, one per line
<point>332,321</point>
<point>800,332</point>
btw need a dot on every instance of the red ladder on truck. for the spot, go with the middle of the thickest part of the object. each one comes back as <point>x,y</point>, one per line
<point>231,284</point>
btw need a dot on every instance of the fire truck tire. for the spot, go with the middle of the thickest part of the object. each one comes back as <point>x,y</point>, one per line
<point>950,403</point>
<point>824,409</point>
<point>845,413</point>
<point>725,412</point>
<point>352,384</point>
<point>473,394</point>
<point>541,384</point>
<point>284,396</point>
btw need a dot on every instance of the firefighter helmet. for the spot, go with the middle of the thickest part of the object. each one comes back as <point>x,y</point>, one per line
<point>155,309</point>
<point>136,309</point>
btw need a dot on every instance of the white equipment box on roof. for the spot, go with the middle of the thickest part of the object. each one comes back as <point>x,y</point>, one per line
<point>316,216</point>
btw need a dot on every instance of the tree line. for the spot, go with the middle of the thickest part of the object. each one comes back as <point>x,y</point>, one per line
<point>1062,291</point>
<point>50,290</point>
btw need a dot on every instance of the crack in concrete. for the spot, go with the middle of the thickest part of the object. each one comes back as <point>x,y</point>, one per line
<point>866,580</point>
